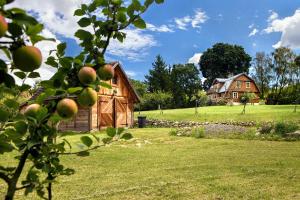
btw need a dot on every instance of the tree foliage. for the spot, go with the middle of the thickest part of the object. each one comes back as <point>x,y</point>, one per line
<point>262,72</point>
<point>159,76</point>
<point>223,60</point>
<point>186,83</point>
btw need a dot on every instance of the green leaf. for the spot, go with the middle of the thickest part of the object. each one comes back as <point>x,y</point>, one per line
<point>24,87</point>
<point>16,10</point>
<point>139,23</point>
<point>83,35</point>
<point>34,75</point>
<point>4,114</point>
<point>33,30</point>
<point>111,132</point>
<point>61,48</point>
<point>9,81</point>
<point>105,85</point>
<point>74,90</point>
<point>126,136</point>
<point>20,75</point>
<point>6,52</point>
<point>87,141</point>
<point>52,62</point>
<point>21,127</point>
<point>15,30</point>
<point>23,19</point>
<point>148,2</point>
<point>84,22</point>
<point>11,104</point>
<point>79,12</point>
<point>37,38</point>
<point>5,147</point>
<point>159,1</point>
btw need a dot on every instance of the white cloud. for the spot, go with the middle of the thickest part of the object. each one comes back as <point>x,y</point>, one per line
<point>130,73</point>
<point>195,58</point>
<point>253,32</point>
<point>273,16</point>
<point>251,26</point>
<point>134,47</point>
<point>199,17</point>
<point>163,28</point>
<point>289,27</point>
<point>182,23</point>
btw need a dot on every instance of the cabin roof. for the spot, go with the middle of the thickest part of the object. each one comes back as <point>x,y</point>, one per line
<point>118,65</point>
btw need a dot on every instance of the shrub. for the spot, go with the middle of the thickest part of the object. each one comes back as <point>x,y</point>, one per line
<point>282,128</point>
<point>150,101</point>
<point>222,102</point>
<point>266,128</point>
<point>199,132</point>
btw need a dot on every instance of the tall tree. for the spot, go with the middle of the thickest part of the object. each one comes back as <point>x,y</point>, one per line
<point>186,83</point>
<point>159,77</point>
<point>223,60</point>
<point>283,64</point>
<point>262,71</point>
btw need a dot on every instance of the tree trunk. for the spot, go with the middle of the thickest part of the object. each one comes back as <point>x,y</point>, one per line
<point>11,190</point>
<point>244,109</point>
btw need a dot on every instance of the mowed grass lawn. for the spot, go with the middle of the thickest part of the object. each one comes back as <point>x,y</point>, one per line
<point>256,113</point>
<point>155,165</point>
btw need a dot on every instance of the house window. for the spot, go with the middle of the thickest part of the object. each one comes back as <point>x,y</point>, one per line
<point>248,84</point>
<point>238,84</point>
<point>115,80</point>
<point>235,95</point>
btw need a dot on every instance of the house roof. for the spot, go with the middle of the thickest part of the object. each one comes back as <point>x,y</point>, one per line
<point>115,65</point>
<point>227,82</point>
<point>118,65</point>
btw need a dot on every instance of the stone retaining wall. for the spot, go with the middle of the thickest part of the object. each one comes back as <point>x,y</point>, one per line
<point>178,124</point>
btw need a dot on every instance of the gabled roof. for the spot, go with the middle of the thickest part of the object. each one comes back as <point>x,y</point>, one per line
<point>118,65</point>
<point>228,81</point>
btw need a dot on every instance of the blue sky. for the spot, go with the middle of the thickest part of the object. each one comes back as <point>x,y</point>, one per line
<point>181,29</point>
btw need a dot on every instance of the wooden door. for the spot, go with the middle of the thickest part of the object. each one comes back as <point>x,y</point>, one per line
<point>106,112</point>
<point>121,113</point>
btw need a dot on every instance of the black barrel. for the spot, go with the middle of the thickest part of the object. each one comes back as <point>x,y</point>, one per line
<point>142,121</point>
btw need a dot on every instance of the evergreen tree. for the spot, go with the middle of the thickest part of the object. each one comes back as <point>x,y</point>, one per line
<point>159,77</point>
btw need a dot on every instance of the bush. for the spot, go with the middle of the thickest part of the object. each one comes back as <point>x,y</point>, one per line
<point>222,102</point>
<point>150,101</point>
<point>199,132</point>
<point>266,128</point>
<point>282,128</point>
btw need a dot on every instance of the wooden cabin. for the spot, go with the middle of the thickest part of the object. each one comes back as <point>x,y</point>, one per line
<point>232,88</point>
<point>114,107</point>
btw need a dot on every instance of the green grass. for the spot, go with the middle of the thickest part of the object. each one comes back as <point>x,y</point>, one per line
<point>155,165</point>
<point>227,113</point>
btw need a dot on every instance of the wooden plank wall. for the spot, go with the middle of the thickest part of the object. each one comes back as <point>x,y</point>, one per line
<point>79,123</point>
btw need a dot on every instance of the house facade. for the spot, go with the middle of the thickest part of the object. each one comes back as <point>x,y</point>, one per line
<point>114,107</point>
<point>232,88</point>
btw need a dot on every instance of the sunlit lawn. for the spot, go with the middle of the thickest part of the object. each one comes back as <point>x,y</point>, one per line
<point>227,113</point>
<point>155,165</point>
